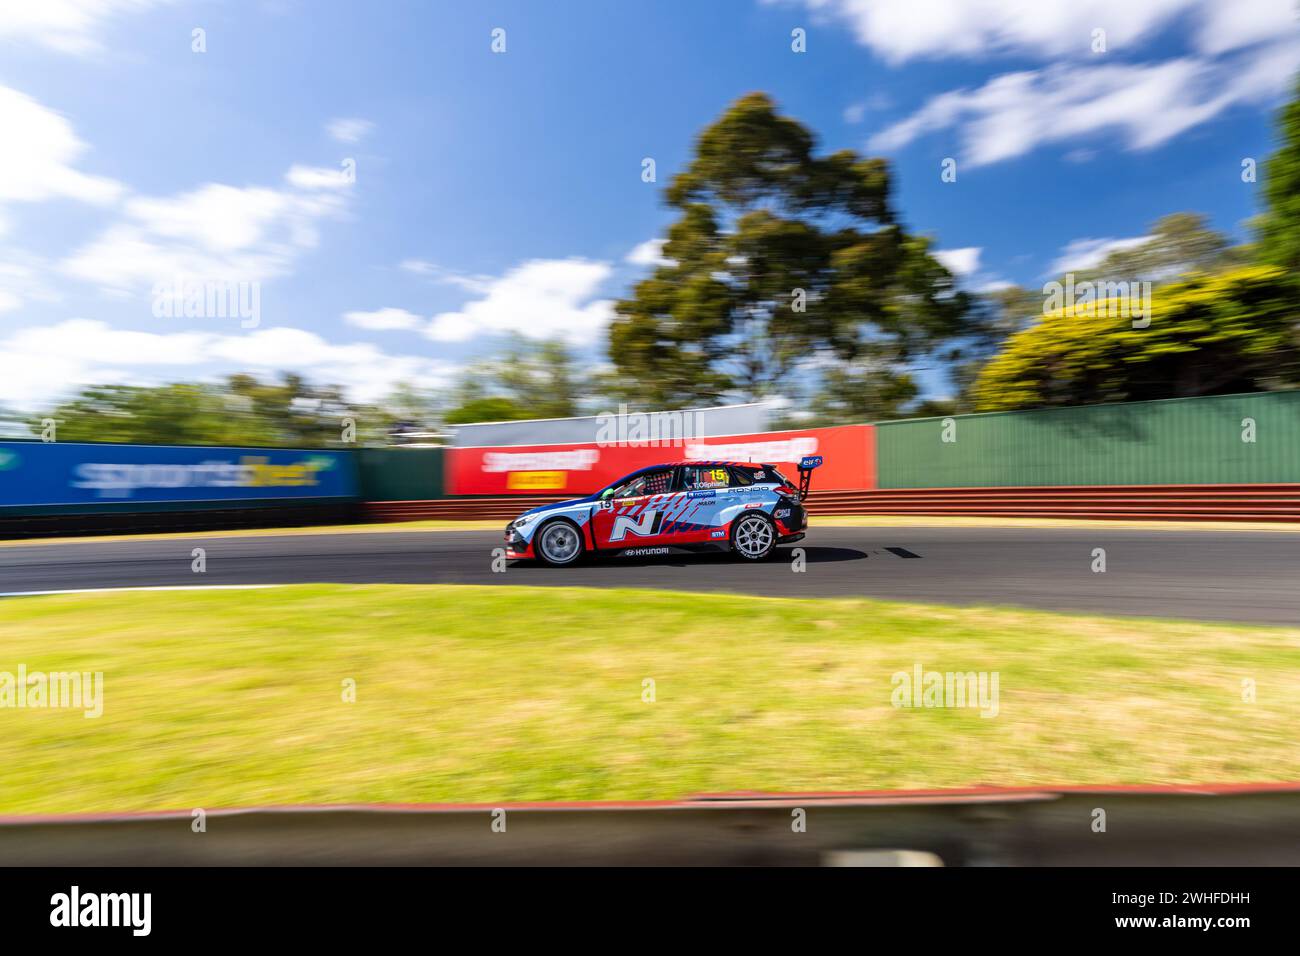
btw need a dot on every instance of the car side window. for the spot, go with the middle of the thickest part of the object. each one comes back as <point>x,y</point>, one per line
<point>651,483</point>
<point>701,477</point>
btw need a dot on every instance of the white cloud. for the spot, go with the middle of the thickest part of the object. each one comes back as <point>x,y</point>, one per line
<point>648,253</point>
<point>1148,105</point>
<point>364,370</point>
<point>349,129</point>
<point>38,163</point>
<point>1083,254</point>
<point>69,26</point>
<point>1232,24</point>
<point>901,30</point>
<point>478,284</point>
<point>36,364</point>
<point>318,177</point>
<point>419,267</point>
<point>1243,51</point>
<point>40,150</point>
<point>995,285</point>
<point>383,320</point>
<point>20,281</point>
<point>542,298</point>
<point>960,262</point>
<point>856,112</point>
<point>213,233</point>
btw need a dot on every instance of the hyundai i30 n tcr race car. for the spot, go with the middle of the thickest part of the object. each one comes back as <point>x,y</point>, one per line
<point>741,507</point>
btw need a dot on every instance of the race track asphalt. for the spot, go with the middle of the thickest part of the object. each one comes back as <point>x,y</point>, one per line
<point>1218,575</point>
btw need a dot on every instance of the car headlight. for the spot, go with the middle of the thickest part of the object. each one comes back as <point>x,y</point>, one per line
<point>523,521</point>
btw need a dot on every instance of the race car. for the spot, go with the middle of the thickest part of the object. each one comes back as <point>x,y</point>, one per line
<point>673,508</point>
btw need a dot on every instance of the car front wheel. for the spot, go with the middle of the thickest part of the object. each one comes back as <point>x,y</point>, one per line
<point>559,542</point>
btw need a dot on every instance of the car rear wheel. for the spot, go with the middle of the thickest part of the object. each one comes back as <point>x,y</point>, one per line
<point>753,536</point>
<point>559,542</point>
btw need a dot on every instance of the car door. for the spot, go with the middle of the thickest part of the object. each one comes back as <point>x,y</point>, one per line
<point>707,494</point>
<point>634,514</point>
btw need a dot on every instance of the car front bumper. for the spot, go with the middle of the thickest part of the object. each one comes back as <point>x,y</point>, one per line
<point>517,548</point>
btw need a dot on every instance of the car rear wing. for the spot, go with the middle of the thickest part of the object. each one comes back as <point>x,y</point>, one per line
<point>806,466</point>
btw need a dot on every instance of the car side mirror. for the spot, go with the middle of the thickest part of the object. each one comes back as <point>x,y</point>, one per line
<point>607,493</point>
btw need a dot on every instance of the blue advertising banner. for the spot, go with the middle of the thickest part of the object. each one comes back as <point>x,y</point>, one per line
<point>55,473</point>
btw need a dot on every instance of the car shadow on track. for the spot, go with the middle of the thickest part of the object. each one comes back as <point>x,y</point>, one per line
<point>783,555</point>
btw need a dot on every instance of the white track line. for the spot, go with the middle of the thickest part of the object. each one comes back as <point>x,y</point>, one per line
<point>176,587</point>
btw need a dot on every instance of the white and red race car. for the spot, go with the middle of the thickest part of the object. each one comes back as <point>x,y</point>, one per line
<point>679,507</point>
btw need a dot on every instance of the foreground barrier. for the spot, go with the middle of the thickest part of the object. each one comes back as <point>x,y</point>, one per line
<point>1132,502</point>
<point>178,520</point>
<point>1050,826</point>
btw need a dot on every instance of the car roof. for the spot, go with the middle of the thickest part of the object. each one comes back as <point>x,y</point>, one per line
<point>707,463</point>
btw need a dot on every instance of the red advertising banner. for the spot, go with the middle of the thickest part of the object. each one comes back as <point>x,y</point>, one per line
<point>849,450</point>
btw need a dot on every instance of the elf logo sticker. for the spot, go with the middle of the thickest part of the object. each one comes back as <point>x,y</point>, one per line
<point>642,527</point>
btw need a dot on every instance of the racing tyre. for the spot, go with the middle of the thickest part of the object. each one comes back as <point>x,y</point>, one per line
<point>558,542</point>
<point>753,536</point>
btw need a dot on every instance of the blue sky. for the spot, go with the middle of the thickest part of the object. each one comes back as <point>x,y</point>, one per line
<point>401,196</point>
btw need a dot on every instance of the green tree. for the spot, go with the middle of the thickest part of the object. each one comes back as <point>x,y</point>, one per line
<point>174,414</point>
<point>766,227</point>
<point>412,408</point>
<point>542,377</point>
<point>1178,244</point>
<point>527,380</point>
<point>242,410</point>
<point>995,316</point>
<point>1279,226</point>
<point>1208,335</point>
<point>490,408</point>
<point>852,392</point>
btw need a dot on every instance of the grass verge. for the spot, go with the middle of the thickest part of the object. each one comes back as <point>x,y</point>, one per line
<point>501,694</point>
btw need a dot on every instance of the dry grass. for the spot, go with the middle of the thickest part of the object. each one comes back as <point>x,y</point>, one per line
<point>496,694</point>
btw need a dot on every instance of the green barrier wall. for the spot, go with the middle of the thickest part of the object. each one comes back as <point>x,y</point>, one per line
<point>1178,441</point>
<point>400,474</point>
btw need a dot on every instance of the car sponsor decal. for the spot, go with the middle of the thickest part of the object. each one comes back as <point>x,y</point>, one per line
<point>643,526</point>
<point>535,481</point>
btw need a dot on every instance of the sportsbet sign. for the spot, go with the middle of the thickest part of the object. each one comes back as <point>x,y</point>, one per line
<point>849,451</point>
<point>39,473</point>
